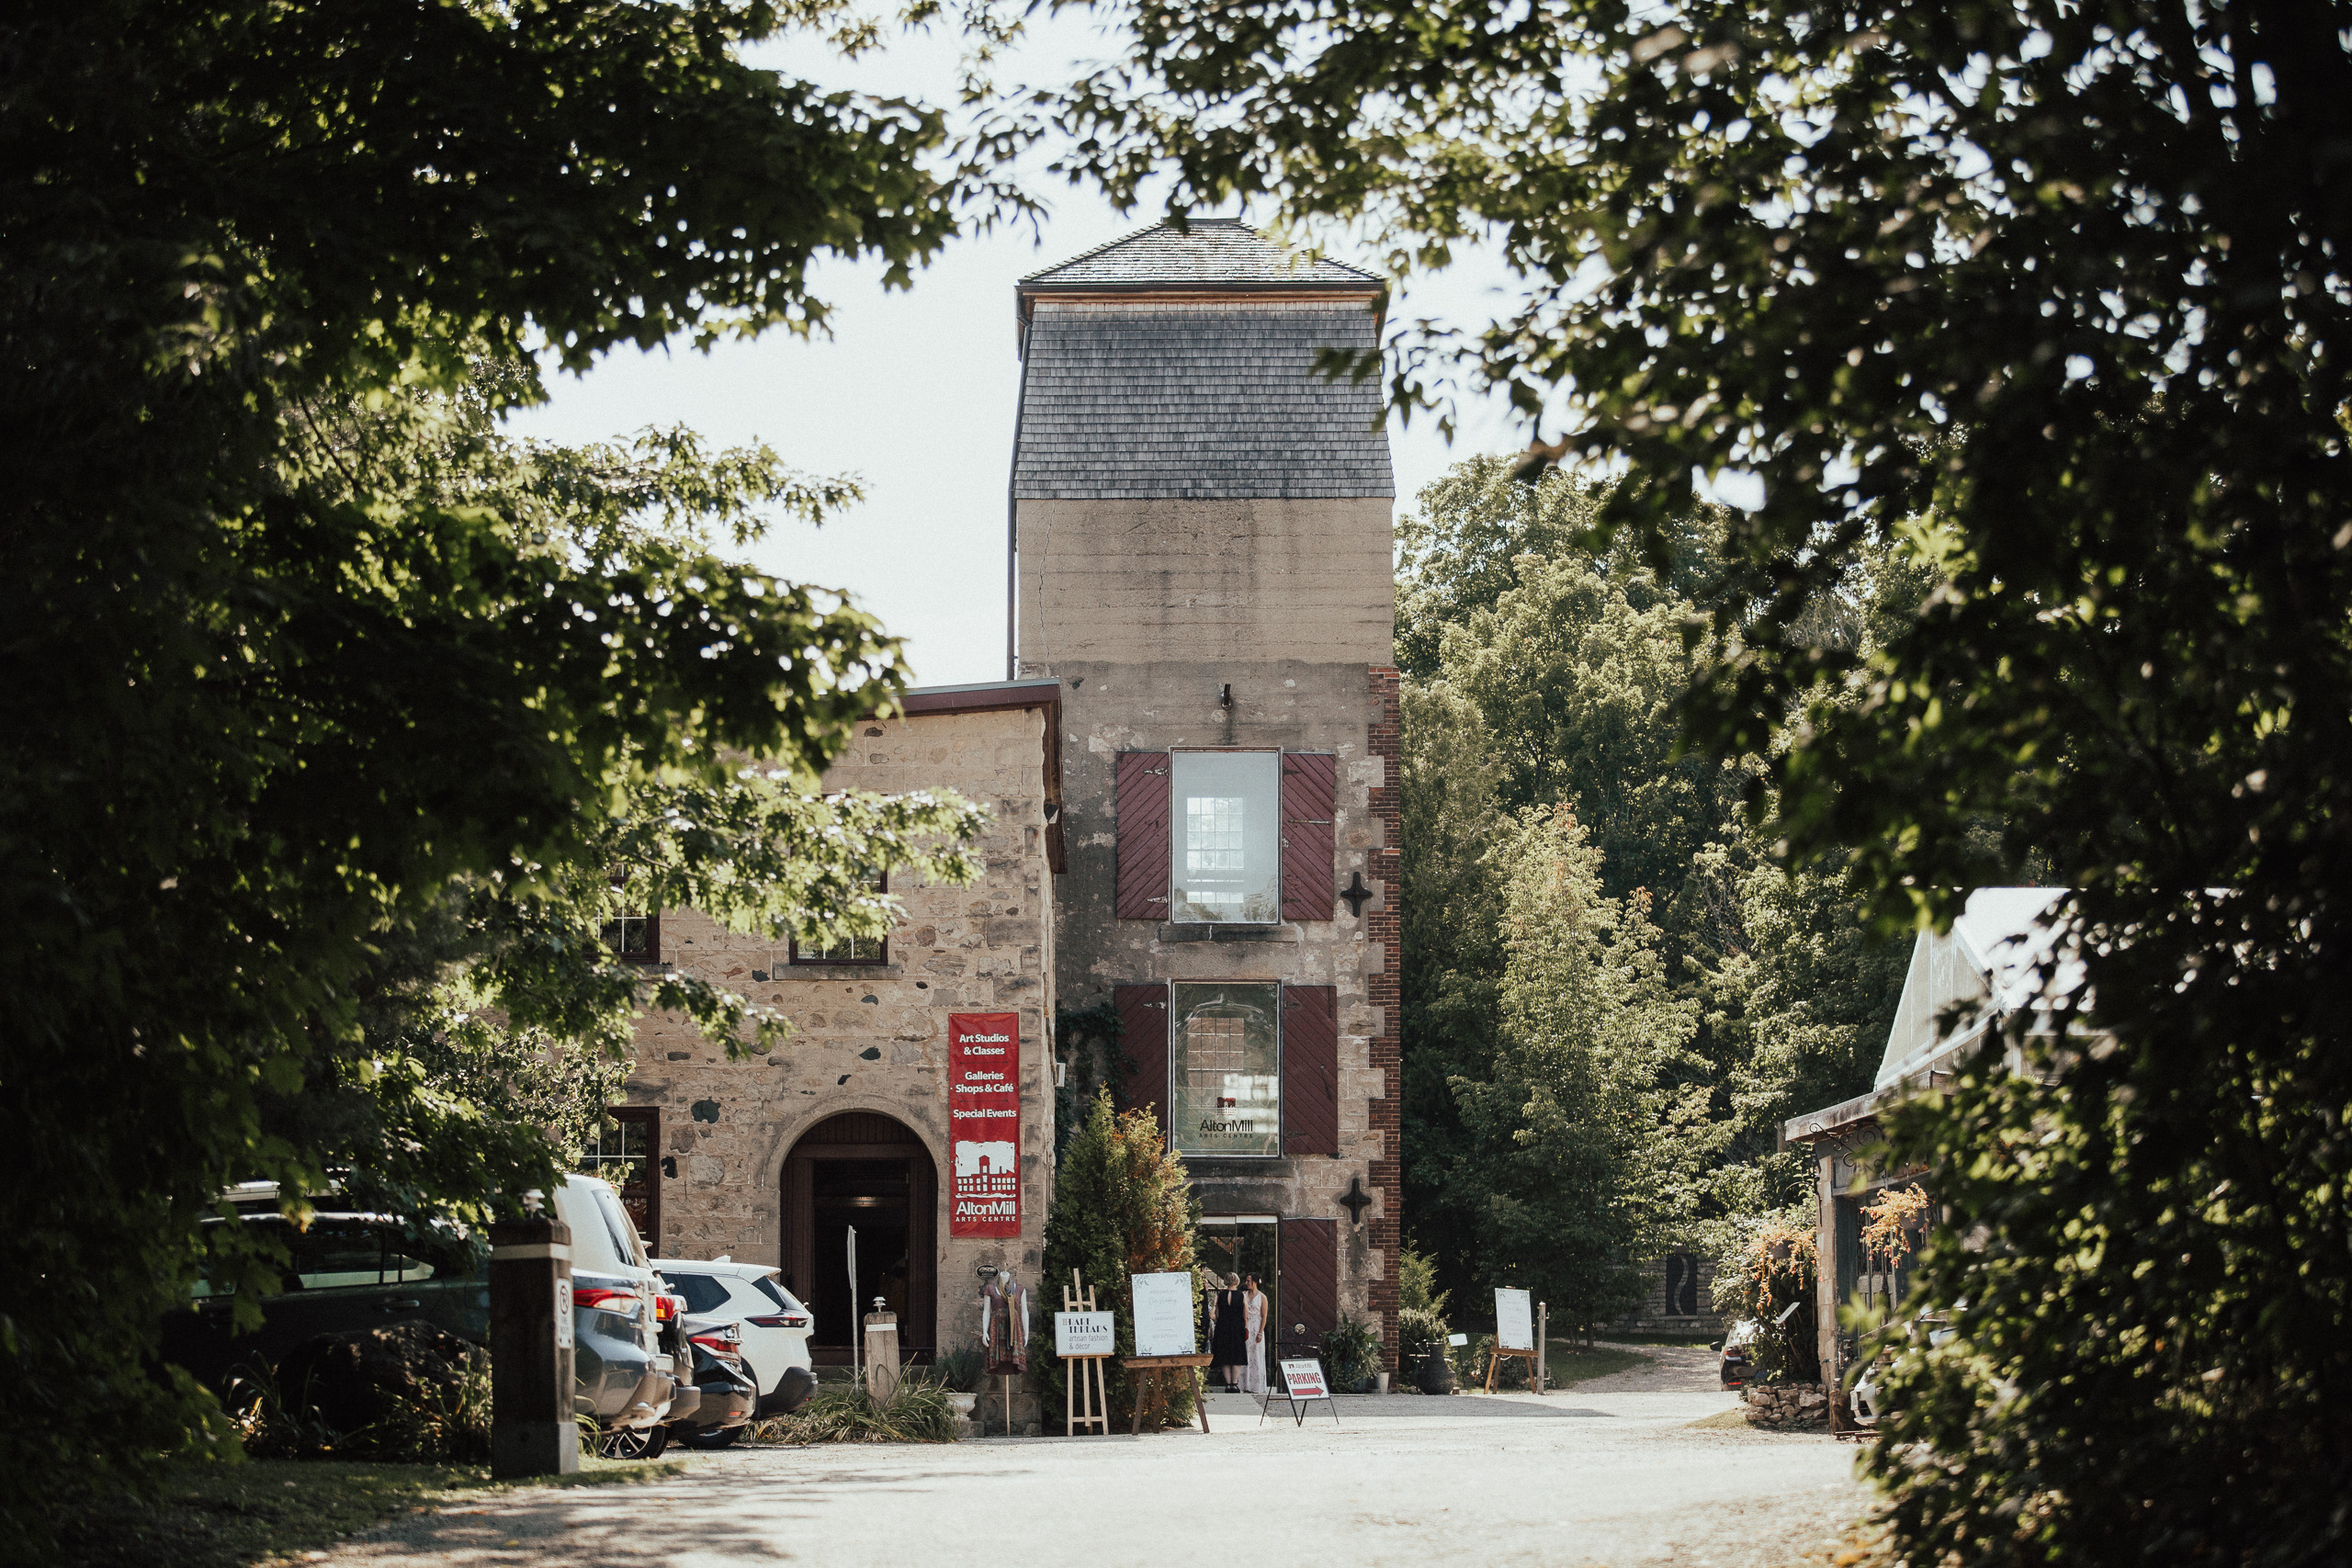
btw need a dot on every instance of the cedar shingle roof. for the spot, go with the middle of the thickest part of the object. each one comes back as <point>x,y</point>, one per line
<point>1197,404</point>
<point>1212,250</point>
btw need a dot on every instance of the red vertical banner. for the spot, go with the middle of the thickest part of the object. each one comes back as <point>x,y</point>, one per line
<point>984,1122</point>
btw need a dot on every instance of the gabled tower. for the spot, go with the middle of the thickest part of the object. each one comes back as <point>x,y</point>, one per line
<point>1204,560</point>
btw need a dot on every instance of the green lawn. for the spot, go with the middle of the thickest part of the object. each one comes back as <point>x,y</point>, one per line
<point>1566,1363</point>
<point>1662,1338</point>
<point>229,1516</point>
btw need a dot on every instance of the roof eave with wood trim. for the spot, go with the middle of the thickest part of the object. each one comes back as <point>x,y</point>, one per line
<point>1000,696</point>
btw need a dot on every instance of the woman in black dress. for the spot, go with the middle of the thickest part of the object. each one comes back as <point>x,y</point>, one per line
<point>1229,1335</point>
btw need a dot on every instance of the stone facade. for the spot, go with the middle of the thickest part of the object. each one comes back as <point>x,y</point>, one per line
<point>1202,528</point>
<point>872,1038</point>
<point>1205,563</point>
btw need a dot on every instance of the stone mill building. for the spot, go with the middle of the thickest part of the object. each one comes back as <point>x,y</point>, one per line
<point>1192,776</point>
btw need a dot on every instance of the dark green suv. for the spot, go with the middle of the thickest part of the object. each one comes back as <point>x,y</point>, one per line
<point>349,1270</point>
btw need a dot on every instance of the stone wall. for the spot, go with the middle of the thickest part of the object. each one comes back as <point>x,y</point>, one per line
<point>1177,582</point>
<point>873,1038</point>
<point>1679,1299</point>
<point>1797,1406</point>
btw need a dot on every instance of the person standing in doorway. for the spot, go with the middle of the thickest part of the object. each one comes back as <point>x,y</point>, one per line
<point>1228,1339</point>
<point>1253,1328</point>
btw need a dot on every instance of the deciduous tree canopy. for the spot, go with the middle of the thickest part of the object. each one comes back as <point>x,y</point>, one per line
<point>299,654</point>
<point>2073,277</point>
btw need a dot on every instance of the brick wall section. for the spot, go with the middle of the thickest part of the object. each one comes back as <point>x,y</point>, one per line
<point>1386,743</point>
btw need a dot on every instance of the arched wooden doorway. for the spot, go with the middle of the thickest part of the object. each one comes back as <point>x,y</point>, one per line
<point>866,1169</point>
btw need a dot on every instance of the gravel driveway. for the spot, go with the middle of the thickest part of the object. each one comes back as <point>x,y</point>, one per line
<point>1587,1476</point>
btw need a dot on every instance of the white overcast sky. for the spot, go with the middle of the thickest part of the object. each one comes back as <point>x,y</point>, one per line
<point>914,393</point>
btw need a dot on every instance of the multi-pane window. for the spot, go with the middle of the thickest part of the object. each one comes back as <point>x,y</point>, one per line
<point>1228,839</point>
<point>1226,1076</point>
<point>622,1153</point>
<point>849,949</point>
<point>633,936</point>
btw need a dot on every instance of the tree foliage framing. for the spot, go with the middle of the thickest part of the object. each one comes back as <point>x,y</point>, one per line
<point>2073,277</point>
<point>274,690</point>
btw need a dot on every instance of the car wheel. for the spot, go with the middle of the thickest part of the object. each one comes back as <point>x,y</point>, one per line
<point>634,1442</point>
<point>708,1438</point>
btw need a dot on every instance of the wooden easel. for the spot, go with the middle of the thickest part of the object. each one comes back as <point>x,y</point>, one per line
<point>1535,1367</point>
<point>1155,1370</point>
<point>1087,1402</point>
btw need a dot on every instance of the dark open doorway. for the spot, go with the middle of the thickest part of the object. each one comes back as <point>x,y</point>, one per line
<point>864,1170</point>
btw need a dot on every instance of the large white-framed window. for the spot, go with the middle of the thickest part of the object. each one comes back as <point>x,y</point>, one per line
<point>1225,1077</point>
<point>1227,817</point>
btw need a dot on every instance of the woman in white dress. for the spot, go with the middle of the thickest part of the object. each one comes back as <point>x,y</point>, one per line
<point>1253,1318</point>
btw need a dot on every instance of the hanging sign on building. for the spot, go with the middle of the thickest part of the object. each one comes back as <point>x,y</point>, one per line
<point>984,1122</point>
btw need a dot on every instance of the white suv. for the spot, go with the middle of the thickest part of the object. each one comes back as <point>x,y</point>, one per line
<point>775,1326</point>
<point>627,1379</point>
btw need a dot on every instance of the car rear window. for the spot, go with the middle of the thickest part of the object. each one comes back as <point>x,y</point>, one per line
<point>767,1288</point>
<point>702,1294</point>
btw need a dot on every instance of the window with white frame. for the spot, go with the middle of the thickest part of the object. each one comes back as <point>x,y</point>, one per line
<point>1227,823</point>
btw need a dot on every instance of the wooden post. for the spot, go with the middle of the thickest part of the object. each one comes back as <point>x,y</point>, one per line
<point>881,1353</point>
<point>1543,1347</point>
<point>531,1428</point>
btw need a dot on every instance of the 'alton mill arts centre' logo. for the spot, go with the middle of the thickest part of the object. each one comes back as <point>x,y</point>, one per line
<point>984,1122</point>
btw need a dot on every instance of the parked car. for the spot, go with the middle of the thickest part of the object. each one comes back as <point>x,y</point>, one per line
<point>773,1324</point>
<point>1868,1399</point>
<point>350,1269</point>
<point>625,1379</point>
<point>1733,1358</point>
<point>727,1395</point>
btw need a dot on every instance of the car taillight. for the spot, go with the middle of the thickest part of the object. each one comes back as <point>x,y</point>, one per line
<point>725,1341</point>
<point>599,1298</point>
<point>779,1320</point>
<point>667,1307</point>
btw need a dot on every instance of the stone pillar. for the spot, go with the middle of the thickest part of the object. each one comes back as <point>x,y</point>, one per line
<point>531,1428</point>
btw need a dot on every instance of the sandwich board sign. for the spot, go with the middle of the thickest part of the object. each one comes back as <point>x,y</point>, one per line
<point>1085,1334</point>
<point>1303,1382</point>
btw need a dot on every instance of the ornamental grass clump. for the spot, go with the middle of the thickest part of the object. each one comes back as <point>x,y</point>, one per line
<point>916,1412</point>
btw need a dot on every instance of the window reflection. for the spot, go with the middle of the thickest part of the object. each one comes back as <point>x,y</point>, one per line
<point>1227,836</point>
<point>1226,1083</point>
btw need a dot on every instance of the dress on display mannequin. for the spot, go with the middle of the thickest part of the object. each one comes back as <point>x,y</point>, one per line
<point>1004,1325</point>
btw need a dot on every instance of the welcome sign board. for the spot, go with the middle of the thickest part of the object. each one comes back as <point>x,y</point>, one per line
<point>984,1122</point>
<point>1514,1321</point>
<point>1163,1314</point>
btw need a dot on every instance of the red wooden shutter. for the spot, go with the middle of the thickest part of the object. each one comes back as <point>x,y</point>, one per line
<point>1310,788</point>
<point>1310,1070</point>
<point>1309,1303</point>
<point>1143,1083</point>
<point>1140,813</point>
